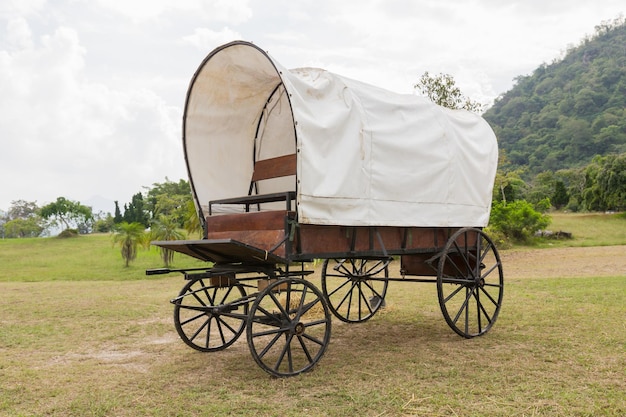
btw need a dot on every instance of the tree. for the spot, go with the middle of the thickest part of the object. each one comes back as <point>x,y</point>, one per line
<point>67,212</point>
<point>541,187</point>
<point>508,186</point>
<point>19,228</point>
<point>192,219</point>
<point>103,223</point>
<point>165,228</point>
<point>21,209</point>
<point>442,90</point>
<point>117,218</point>
<point>22,220</point>
<point>169,199</point>
<point>129,236</point>
<point>135,211</point>
<point>560,198</point>
<point>605,183</point>
<point>611,182</point>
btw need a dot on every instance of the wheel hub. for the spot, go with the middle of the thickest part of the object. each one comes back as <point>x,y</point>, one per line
<point>298,329</point>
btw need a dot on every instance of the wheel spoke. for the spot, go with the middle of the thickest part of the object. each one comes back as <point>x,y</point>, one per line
<point>452,262</point>
<point>279,333</point>
<point>208,333</point>
<point>281,357</point>
<point>363,300</point>
<point>463,254</point>
<point>481,307</point>
<point>306,308</point>
<point>467,310</point>
<point>372,289</point>
<point>350,300</point>
<point>276,330</point>
<point>300,310</point>
<point>305,349</point>
<point>455,292</point>
<point>278,304</point>
<point>341,286</point>
<point>346,271</point>
<point>313,339</point>
<point>495,303</point>
<point>182,323</point>
<point>468,295</point>
<point>485,274</point>
<point>205,324</point>
<point>377,267</point>
<point>225,297</point>
<point>200,301</point>
<point>221,322</point>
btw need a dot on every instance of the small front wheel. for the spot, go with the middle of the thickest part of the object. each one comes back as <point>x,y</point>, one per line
<point>288,327</point>
<point>210,317</point>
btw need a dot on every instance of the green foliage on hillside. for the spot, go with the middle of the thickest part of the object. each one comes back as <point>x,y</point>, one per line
<point>565,113</point>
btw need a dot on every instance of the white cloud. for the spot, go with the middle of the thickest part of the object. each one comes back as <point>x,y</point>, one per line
<point>207,39</point>
<point>63,135</point>
<point>14,8</point>
<point>231,11</point>
<point>19,35</point>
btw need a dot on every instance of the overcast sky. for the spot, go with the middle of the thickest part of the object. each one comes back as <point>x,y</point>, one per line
<point>92,91</point>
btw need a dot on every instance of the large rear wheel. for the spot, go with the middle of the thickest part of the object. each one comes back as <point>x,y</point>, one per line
<point>355,288</point>
<point>470,282</point>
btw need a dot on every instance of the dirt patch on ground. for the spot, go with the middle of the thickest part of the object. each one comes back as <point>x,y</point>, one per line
<point>564,262</point>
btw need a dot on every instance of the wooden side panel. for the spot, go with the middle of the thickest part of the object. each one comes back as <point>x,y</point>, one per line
<point>323,239</point>
<point>341,239</point>
<point>260,220</point>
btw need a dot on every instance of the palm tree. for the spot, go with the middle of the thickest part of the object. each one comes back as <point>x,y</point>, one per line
<point>129,236</point>
<point>192,221</point>
<point>166,228</point>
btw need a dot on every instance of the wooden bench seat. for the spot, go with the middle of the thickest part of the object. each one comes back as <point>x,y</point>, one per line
<point>266,169</point>
<point>267,230</point>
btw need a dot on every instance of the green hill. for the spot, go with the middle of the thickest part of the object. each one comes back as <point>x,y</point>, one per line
<point>568,111</point>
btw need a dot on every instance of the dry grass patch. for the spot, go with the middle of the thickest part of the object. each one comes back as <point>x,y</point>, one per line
<point>109,349</point>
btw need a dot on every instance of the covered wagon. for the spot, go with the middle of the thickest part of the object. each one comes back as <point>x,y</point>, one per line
<point>291,166</point>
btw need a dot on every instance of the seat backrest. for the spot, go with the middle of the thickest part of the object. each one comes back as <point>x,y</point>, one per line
<point>270,168</point>
<point>280,166</point>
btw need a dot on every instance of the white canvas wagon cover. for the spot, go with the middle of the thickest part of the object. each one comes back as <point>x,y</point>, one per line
<point>365,156</point>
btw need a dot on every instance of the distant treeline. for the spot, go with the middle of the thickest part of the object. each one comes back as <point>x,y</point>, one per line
<point>567,112</point>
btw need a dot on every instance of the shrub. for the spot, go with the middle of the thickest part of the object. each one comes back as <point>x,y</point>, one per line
<point>67,233</point>
<point>517,220</point>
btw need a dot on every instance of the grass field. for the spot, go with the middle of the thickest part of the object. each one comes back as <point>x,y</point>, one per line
<point>590,229</point>
<point>91,258</point>
<point>80,335</point>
